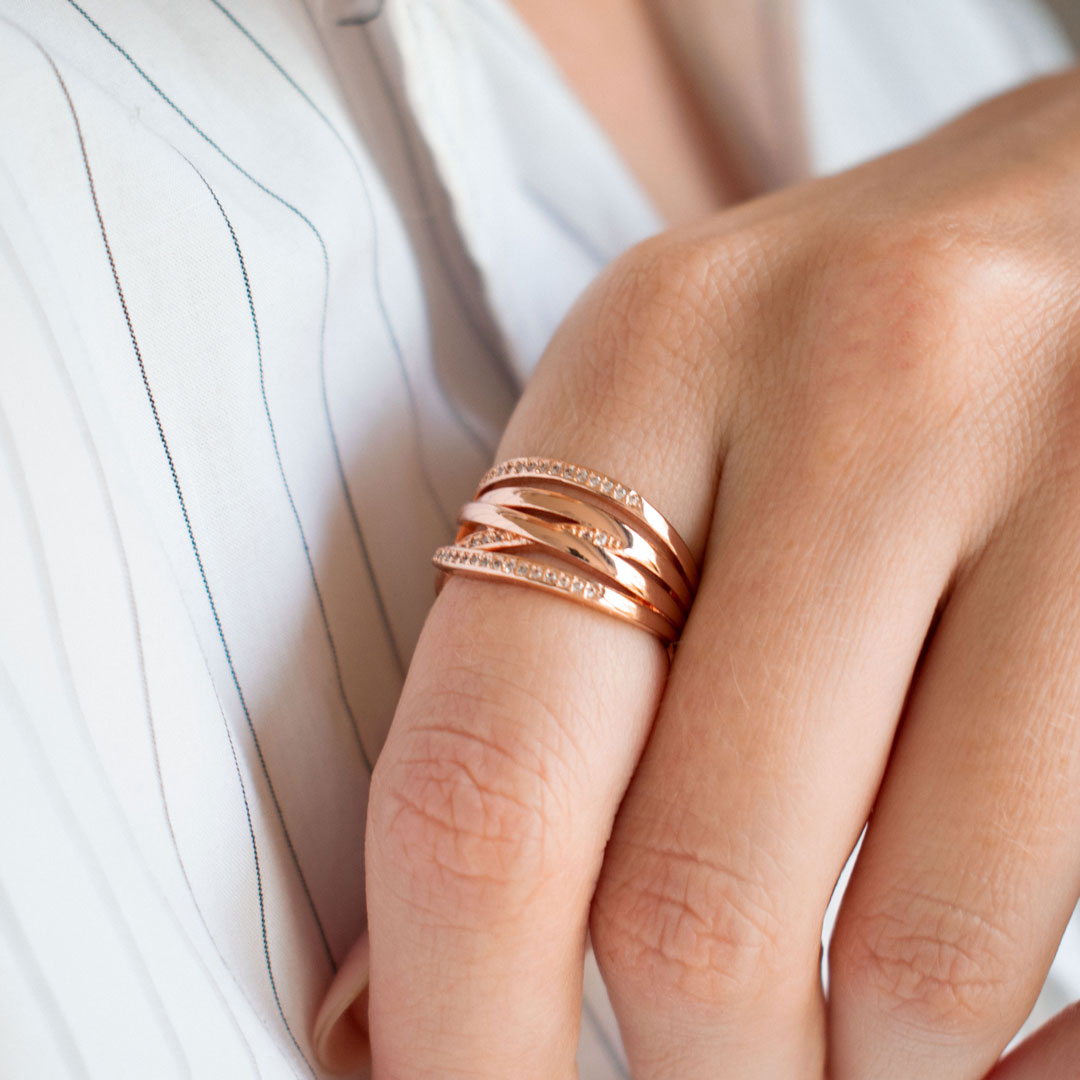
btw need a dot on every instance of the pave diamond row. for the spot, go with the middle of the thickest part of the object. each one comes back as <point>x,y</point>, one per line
<point>487,537</point>
<point>565,471</point>
<point>483,537</point>
<point>596,536</point>
<point>510,565</point>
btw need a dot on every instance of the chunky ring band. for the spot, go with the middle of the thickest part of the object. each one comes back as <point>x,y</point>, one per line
<point>594,554</point>
<point>588,480</point>
<point>598,542</point>
<point>605,530</point>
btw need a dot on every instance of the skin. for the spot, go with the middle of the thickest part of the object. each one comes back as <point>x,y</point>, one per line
<point>627,75</point>
<point>858,402</point>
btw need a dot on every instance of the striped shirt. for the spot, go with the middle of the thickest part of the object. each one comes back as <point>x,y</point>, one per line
<point>272,275</point>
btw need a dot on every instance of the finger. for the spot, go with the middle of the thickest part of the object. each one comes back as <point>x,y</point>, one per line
<point>970,869</point>
<point>1051,1053</point>
<point>341,1027</point>
<point>791,673</point>
<point>514,736</point>
<point>516,733</point>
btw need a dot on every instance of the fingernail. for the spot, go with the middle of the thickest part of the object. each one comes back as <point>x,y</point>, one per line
<point>340,1033</point>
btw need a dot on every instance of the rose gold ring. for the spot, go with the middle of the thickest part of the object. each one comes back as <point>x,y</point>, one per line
<point>572,531</point>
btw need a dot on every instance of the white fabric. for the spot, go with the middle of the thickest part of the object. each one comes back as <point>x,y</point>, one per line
<point>878,75</point>
<point>246,379</point>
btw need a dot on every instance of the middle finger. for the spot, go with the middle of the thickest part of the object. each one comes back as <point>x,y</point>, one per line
<point>815,600</point>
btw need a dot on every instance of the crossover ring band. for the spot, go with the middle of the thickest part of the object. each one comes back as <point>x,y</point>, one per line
<point>589,480</point>
<point>631,542</point>
<point>583,554</point>
<point>568,530</point>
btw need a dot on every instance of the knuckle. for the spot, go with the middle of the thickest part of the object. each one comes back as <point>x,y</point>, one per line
<point>918,349</point>
<point>648,346</point>
<point>669,924</point>
<point>470,810</point>
<point>657,289</point>
<point>902,297</point>
<point>930,964</point>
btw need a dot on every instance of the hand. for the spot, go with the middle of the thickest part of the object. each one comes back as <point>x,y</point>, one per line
<point>859,403</point>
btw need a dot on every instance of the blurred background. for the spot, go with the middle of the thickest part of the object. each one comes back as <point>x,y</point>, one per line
<point>1069,13</point>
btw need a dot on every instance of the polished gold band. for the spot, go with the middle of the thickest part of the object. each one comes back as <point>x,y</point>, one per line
<point>572,531</point>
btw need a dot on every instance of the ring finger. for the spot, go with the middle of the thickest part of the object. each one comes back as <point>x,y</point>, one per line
<point>516,733</point>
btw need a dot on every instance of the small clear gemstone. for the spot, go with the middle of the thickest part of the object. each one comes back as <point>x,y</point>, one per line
<point>594,480</point>
<point>606,487</point>
<point>564,581</point>
<point>474,559</point>
<point>508,566</point>
<point>635,501</point>
<point>550,577</point>
<point>590,592</point>
<point>582,475</point>
<point>619,492</point>
<point>568,472</point>
<point>577,585</point>
<point>537,573</point>
<point>522,569</point>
